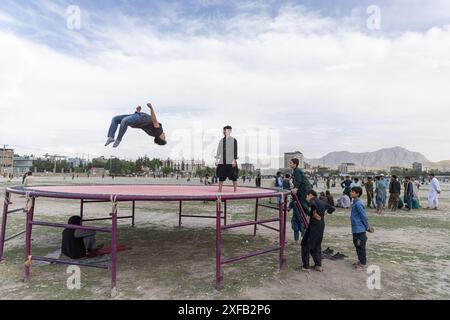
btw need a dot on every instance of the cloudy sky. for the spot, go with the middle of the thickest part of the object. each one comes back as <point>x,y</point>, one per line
<point>315,76</point>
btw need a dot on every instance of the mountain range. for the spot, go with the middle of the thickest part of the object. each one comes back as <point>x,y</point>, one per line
<point>380,159</point>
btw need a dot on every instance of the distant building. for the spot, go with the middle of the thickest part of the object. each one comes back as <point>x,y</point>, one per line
<point>184,166</point>
<point>346,168</point>
<point>398,170</point>
<point>248,167</point>
<point>76,162</point>
<point>417,166</point>
<point>22,164</point>
<point>6,160</point>
<point>288,156</point>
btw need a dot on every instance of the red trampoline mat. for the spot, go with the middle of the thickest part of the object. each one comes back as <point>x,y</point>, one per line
<point>162,191</point>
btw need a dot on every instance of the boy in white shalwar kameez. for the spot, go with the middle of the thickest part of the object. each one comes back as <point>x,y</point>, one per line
<point>433,193</point>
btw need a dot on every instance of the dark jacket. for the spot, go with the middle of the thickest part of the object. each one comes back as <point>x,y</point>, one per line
<point>395,187</point>
<point>330,200</point>
<point>346,185</point>
<point>320,207</point>
<point>286,184</point>
<point>72,247</point>
<point>409,190</point>
<point>301,183</point>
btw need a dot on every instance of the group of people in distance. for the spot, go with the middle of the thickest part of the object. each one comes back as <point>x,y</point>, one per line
<point>377,192</point>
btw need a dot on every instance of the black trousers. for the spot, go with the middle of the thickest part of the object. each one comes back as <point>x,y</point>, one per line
<point>312,243</point>
<point>360,240</point>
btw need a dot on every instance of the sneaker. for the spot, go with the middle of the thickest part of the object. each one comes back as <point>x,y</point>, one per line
<point>116,144</point>
<point>109,141</point>
<point>306,270</point>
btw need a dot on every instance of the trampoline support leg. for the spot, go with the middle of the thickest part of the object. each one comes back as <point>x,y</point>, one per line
<point>3,230</point>
<point>81,210</point>
<point>113,251</point>
<point>225,212</point>
<point>285,216</point>
<point>27,264</point>
<point>179,215</point>
<point>256,217</point>
<point>133,209</point>
<point>218,246</point>
<point>282,213</point>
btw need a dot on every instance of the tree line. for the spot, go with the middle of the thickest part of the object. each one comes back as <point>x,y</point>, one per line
<point>114,166</point>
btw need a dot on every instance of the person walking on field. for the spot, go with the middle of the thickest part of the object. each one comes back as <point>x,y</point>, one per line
<point>409,193</point>
<point>380,193</point>
<point>416,186</point>
<point>394,193</point>
<point>433,192</point>
<point>346,185</point>
<point>258,181</point>
<point>369,191</point>
<point>316,181</point>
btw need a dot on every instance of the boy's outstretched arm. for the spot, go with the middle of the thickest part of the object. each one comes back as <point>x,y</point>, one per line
<point>153,116</point>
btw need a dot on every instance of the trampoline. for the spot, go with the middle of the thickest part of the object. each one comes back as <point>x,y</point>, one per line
<point>158,193</point>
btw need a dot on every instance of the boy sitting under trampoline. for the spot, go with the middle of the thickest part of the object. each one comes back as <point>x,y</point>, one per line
<point>77,243</point>
<point>226,159</point>
<point>140,120</point>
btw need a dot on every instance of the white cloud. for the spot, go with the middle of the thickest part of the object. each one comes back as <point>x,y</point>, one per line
<point>325,86</point>
<point>5,18</point>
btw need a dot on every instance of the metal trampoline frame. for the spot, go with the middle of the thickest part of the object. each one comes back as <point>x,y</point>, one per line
<point>220,199</point>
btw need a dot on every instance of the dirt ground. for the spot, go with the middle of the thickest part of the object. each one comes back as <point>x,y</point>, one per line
<point>167,262</point>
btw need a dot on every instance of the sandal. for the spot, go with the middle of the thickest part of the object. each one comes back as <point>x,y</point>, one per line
<point>318,268</point>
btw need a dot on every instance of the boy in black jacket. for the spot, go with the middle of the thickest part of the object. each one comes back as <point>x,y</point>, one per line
<point>312,240</point>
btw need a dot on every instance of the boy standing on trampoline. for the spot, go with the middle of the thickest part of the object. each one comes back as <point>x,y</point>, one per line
<point>140,120</point>
<point>226,159</point>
